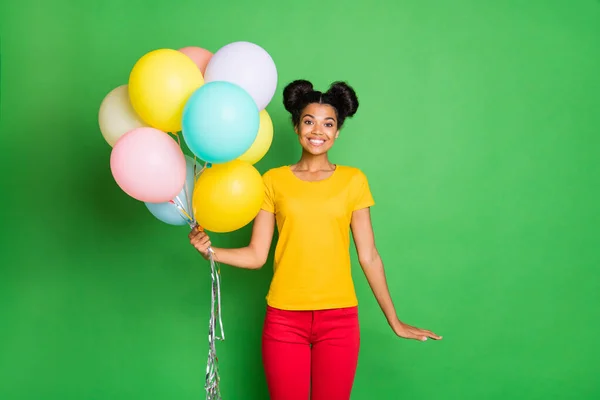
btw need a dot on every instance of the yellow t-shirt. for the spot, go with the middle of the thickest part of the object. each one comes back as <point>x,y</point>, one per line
<point>312,257</point>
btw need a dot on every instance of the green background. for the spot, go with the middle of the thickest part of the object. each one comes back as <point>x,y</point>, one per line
<point>478,129</point>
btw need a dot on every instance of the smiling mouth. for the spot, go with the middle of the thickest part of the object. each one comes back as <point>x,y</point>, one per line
<point>316,142</point>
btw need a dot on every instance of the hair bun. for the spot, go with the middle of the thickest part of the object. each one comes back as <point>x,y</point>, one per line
<point>345,97</point>
<point>294,93</point>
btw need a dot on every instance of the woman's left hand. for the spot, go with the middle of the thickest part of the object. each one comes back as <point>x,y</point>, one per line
<point>410,332</point>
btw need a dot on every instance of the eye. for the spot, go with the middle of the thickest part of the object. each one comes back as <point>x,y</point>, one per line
<point>329,125</point>
<point>307,121</point>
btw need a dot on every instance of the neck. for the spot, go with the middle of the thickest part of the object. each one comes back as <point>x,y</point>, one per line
<point>312,163</point>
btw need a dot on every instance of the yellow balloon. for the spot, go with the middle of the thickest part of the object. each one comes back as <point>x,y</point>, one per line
<point>160,84</point>
<point>263,140</point>
<point>227,196</point>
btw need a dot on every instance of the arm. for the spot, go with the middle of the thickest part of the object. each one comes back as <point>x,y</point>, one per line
<point>253,256</point>
<point>372,266</point>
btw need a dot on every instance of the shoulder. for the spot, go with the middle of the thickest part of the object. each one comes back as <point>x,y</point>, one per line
<point>352,174</point>
<point>275,173</point>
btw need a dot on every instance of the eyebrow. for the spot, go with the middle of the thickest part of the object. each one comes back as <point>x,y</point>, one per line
<point>312,116</point>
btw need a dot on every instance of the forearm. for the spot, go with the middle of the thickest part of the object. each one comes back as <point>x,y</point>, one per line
<point>243,257</point>
<point>375,274</point>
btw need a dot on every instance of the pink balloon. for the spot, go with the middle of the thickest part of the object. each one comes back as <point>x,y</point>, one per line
<point>148,165</point>
<point>199,56</point>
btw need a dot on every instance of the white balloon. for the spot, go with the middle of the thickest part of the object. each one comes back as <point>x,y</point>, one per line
<point>247,65</point>
<point>117,116</point>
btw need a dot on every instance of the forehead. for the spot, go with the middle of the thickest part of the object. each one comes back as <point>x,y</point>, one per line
<point>319,110</point>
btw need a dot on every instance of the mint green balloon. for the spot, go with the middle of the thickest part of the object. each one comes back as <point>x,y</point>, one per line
<point>220,122</point>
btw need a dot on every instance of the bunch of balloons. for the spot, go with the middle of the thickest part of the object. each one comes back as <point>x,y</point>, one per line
<point>217,103</point>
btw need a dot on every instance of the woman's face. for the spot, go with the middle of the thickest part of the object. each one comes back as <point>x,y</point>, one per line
<point>317,129</point>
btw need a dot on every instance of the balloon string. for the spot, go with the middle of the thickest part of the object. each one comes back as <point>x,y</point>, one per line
<point>188,196</point>
<point>183,213</point>
<point>212,378</point>
<point>212,366</point>
<point>187,212</point>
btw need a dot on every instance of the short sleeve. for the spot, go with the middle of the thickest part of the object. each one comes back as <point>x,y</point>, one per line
<point>269,198</point>
<point>362,196</point>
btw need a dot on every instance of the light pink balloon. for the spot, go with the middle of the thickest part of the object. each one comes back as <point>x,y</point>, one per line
<point>148,165</point>
<point>199,56</point>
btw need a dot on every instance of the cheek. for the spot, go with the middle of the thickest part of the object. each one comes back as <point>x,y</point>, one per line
<point>302,129</point>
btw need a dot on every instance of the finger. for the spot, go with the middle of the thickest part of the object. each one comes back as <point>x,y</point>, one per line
<point>433,335</point>
<point>417,334</point>
<point>199,237</point>
<point>202,249</point>
<point>198,244</point>
<point>414,334</point>
<point>203,244</point>
<point>425,334</point>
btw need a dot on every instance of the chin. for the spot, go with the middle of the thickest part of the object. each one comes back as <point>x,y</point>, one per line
<point>316,151</point>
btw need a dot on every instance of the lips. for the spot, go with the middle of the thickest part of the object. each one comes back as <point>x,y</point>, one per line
<point>316,142</point>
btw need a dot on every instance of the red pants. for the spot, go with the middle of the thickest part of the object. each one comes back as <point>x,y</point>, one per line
<point>310,352</point>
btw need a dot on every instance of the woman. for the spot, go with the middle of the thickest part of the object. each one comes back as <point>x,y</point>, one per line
<point>311,330</point>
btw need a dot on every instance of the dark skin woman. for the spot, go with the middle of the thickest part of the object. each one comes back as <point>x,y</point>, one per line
<point>311,333</point>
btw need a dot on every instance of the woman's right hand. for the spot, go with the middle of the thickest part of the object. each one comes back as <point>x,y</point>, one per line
<point>200,240</point>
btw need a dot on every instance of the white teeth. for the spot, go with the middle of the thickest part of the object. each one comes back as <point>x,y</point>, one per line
<point>316,141</point>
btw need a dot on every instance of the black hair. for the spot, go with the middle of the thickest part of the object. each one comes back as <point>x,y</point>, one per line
<point>300,93</point>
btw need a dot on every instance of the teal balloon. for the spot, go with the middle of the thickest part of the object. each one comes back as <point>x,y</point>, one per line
<point>220,122</point>
<point>168,212</point>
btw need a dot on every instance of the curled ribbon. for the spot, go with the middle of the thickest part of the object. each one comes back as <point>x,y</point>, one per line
<point>212,377</point>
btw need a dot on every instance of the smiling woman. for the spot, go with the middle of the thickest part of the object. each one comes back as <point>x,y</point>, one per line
<point>318,118</point>
<point>311,332</point>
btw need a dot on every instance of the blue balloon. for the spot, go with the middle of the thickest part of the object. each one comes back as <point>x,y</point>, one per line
<point>220,122</point>
<point>168,212</point>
